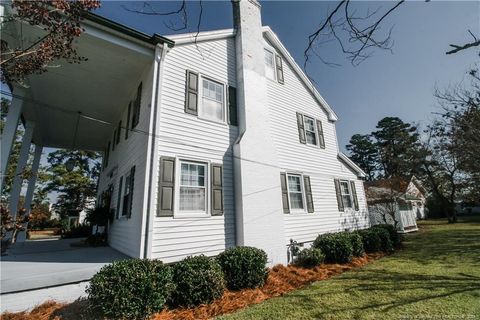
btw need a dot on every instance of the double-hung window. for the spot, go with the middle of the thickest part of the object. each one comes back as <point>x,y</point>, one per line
<point>269,64</point>
<point>213,101</point>
<point>295,192</point>
<point>310,130</point>
<point>346,194</point>
<point>193,187</point>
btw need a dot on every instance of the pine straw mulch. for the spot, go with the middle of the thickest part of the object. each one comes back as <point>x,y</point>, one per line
<point>281,279</point>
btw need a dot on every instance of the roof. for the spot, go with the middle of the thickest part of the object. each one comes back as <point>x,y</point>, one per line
<point>189,38</point>
<point>151,39</point>
<point>360,173</point>
<point>395,187</point>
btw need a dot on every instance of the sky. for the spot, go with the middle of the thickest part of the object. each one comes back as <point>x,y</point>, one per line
<point>400,83</point>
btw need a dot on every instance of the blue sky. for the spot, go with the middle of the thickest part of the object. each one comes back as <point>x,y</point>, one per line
<point>388,84</point>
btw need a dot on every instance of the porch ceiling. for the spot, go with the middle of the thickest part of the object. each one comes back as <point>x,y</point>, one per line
<point>100,88</point>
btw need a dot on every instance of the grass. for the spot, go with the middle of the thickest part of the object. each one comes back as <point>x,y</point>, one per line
<point>435,276</point>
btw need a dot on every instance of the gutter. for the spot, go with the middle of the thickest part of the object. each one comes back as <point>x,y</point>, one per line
<point>153,39</point>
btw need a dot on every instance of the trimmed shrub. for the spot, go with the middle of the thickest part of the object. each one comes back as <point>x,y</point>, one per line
<point>244,267</point>
<point>309,258</point>
<point>376,240</point>
<point>130,289</point>
<point>337,247</point>
<point>198,280</point>
<point>357,244</point>
<point>395,237</point>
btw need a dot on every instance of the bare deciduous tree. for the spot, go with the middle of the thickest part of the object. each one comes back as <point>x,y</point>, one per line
<point>358,35</point>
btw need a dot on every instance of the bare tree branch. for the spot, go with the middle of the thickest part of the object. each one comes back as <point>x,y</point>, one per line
<point>457,48</point>
<point>357,40</point>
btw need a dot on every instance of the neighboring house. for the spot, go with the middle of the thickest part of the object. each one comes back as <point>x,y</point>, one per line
<point>396,201</point>
<point>210,140</point>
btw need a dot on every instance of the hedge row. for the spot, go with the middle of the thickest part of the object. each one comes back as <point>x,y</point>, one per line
<point>341,247</point>
<point>137,288</point>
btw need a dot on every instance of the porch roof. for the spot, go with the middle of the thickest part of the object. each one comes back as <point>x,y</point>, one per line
<point>94,92</point>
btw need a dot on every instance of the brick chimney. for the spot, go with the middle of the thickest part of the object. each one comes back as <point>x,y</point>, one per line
<point>259,214</point>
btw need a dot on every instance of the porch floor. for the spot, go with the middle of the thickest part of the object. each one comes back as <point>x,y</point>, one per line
<point>38,264</point>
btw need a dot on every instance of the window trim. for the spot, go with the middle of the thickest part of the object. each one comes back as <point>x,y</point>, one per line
<point>177,213</point>
<point>315,130</point>
<point>302,187</point>
<point>200,115</point>
<point>350,194</point>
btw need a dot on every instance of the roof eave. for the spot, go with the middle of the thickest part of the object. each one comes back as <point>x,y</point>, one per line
<point>153,39</point>
<point>353,165</point>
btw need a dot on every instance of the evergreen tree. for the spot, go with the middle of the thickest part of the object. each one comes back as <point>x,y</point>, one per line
<point>398,147</point>
<point>77,188</point>
<point>363,152</point>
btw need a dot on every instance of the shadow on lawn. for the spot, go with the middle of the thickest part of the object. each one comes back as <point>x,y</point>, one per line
<point>385,283</point>
<point>422,254</point>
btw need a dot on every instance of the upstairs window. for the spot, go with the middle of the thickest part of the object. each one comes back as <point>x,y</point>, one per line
<point>269,65</point>
<point>213,106</point>
<point>310,130</point>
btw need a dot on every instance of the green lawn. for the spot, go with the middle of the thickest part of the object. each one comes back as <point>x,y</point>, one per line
<point>435,276</point>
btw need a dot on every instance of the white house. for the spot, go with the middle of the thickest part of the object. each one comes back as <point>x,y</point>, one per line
<point>396,201</point>
<point>209,141</point>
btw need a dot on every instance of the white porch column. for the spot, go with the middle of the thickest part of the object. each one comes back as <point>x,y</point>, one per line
<point>8,134</point>
<point>22,235</point>
<point>22,162</point>
<point>33,177</point>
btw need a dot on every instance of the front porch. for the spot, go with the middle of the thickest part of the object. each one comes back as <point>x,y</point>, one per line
<point>35,271</point>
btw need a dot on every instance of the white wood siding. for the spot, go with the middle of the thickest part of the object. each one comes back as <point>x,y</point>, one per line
<point>186,136</point>
<point>125,234</point>
<point>322,165</point>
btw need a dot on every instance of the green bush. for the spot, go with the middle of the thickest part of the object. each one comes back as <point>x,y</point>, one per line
<point>130,289</point>
<point>357,244</point>
<point>244,267</point>
<point>198,280</point>
<point>337,247</point>
<point>309,258</point>
<point>376,240</point>
<point>395,237</point>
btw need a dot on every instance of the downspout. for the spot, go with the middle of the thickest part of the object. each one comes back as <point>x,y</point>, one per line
<point>160,52</point>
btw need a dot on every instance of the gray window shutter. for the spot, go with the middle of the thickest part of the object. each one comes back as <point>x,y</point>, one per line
<point>130,195</point>
<point>321,138</point>
<point>232,106</point>
<point>191,93</point>
<point>217,189</point>
<point>113,140</point>
<point>107,154</point>
<point>119,199</point>
<point>308,194</point>
<point>301,128</point>
<point>119,131</point>
<point>127,127</point>
<point>166,187</point>
<point>339,195</point>
<point>279,65</point>
<point>136,106</point>
<point>354,194</point>
<point>283,184</point>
